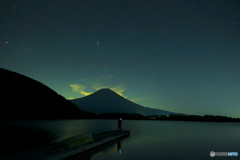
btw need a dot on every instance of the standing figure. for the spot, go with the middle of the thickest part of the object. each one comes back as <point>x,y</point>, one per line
<point>120,124</point>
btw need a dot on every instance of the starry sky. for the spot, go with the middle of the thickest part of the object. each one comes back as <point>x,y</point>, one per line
<point>177,55</point>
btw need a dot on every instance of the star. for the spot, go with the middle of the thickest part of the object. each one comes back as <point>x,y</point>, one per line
<point>97,43</point>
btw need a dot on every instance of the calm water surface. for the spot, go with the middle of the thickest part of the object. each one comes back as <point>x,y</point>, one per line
<point>149,140</point>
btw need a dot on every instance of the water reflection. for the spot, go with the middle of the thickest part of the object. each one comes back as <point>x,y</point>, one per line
<point>174,140</point>
<point>89,155</point>
<point>119,148</point>
<point>149,139</point>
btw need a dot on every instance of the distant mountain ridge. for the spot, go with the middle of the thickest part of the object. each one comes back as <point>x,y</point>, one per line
<point>107,101</point>
<point>24,98</point>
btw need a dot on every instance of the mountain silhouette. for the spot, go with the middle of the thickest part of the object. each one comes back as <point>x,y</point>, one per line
<point>24,98</point>
<point>107,101</point>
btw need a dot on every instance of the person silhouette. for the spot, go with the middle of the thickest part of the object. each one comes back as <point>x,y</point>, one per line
<point>120,124</point>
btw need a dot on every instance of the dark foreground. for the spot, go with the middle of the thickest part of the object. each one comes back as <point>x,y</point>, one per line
<point>84,151</point>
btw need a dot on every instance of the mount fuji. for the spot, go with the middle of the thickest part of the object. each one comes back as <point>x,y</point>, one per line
<point>107,101</point>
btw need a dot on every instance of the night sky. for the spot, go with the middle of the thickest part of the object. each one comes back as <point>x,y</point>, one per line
<point>177,55</point>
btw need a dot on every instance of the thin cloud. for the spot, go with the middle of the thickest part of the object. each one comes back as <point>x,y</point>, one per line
<point>119,89</point>
<point>136,100</point>
<point>79,89</point>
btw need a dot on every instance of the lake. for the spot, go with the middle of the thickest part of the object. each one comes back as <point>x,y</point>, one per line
<point>167,140</point>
